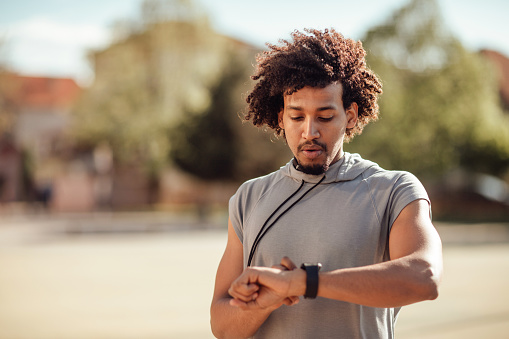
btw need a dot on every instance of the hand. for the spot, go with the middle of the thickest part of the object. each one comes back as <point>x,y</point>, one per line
<point>288,265</point>
<point>263,288</point>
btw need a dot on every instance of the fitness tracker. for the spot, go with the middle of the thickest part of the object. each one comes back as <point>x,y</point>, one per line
<point>311,279</point>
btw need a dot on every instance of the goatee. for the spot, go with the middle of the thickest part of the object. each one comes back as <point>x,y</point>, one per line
<point>316,169</point>
<point>311,169</point>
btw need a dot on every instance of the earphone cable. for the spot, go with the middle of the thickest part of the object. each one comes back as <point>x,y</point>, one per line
<point>255,242</point>
<point>262,232</point>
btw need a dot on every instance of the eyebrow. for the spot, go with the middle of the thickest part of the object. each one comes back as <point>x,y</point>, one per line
<point>324,108</point>
<point>295,108</point>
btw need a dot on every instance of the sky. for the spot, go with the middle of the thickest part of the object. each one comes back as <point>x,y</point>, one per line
<point>53,37</point>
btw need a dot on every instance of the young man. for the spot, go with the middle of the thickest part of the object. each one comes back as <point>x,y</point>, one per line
<point>363,234</point>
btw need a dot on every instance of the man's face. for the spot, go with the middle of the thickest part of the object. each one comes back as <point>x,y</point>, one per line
<point>315,123</point>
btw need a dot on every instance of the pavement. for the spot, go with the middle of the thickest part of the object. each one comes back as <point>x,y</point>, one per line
<point>146,275</point>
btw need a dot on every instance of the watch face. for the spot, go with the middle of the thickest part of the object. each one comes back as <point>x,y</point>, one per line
<point>305,265</point>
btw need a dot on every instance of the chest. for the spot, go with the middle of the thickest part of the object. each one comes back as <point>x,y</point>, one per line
<point>337,225</point>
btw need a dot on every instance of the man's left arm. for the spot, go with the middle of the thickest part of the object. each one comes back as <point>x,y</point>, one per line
<point>411,275</point>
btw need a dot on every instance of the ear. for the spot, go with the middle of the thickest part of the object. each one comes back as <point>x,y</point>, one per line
<point>280,119</point>
<point>352,115</point>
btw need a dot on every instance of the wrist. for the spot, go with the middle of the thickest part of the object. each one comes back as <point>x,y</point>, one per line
<point>312,279</point>
<point>298,283</point>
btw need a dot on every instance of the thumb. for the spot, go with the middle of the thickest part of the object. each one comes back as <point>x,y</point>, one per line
<point>288,264</point>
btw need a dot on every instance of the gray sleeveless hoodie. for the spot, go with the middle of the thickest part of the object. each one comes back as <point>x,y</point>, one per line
<point>343,222</point>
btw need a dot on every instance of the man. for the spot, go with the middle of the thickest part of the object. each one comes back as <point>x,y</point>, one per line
<point>367,228</point>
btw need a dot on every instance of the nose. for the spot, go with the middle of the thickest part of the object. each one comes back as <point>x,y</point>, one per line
<point>310,131</point>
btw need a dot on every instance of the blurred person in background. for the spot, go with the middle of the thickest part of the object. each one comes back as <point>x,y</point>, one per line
<point>330,245</point>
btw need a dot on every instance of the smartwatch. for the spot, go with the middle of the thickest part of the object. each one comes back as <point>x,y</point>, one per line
<point>311,279</point>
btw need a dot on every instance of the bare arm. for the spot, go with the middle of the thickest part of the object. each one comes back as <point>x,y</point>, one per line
<point>413,273</point>
<point>228,321</point>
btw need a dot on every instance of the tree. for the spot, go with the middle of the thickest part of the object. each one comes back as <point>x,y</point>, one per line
<point>205,144</point>
<point>147,80</point>
<point>440,108</point>
<point>168,92</point>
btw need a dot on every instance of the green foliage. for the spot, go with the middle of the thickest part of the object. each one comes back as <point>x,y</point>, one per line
<point>440,107</point>
<point>146,81</point>
<point>168,93</point>
<point>205,144</point>
<point>215,144</point>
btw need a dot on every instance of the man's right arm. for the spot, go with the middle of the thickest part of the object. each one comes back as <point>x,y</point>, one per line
<point>229,321</point>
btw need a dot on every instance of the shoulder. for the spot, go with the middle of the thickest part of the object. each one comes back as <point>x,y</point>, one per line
<point>244,201</point>
<point>392,191</point>
<point>392,186</point>
<point>382,178</point>
<point>258,186</point>
<point>359,169</point>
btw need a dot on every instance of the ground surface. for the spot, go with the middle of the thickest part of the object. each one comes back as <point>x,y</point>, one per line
<point>56,282</point>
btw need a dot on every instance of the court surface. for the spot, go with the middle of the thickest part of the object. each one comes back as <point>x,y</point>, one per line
<point>159,285</point>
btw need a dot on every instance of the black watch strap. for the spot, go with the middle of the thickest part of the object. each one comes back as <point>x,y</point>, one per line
<point>311,279</point>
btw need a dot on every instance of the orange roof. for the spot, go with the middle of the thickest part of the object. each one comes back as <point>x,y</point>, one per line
<point>44,92</point>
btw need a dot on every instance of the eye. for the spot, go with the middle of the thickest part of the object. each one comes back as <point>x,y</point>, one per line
<point>296,118</point>
<point>325,119</point>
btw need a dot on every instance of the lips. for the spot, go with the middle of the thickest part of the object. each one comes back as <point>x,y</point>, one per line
<point>312,154</point>
<point>311,151</point>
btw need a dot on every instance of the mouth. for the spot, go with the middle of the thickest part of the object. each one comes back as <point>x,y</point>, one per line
<point>312,154</point>
<point>312,151</point>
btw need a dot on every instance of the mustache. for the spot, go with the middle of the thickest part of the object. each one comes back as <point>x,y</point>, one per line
<point>312,143</point>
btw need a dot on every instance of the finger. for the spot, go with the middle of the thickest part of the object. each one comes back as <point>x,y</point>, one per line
<point>294,300</point>
<point>240,289</point>
<point>242,297</point>
<point>288,263</point>
<point>290,301</point>
<point>244,286</point>
<point>243,292</point>
<point>244,305</point>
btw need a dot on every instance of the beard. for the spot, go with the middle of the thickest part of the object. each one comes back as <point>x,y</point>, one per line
<point>314,169</point>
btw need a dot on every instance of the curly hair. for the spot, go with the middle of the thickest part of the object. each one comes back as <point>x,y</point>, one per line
<point>316,59</point>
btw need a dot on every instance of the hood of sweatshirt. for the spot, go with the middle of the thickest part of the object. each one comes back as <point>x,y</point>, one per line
<point>349,167</point>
